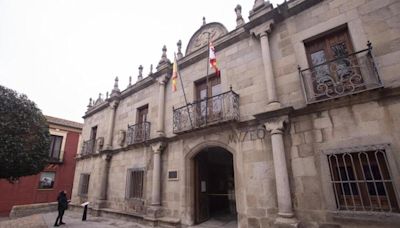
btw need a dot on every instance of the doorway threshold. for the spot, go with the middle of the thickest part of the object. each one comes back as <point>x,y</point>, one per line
<point>221,221</point>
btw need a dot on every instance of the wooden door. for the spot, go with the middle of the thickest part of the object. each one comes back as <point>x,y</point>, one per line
<point>209,106</point>
<point>201,189</point>
<point>335,70</point>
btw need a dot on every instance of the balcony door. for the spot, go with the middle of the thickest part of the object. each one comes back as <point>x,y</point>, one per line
<point>142,114</point>
<point>209,106</point>
<point>140,133</point>
<point>334,68</point>
<point>92,141</point>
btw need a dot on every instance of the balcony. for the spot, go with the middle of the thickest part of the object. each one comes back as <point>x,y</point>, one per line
<point>138,133</point>
<point>210,111</point>
<point>349,74</point>
<point>88,147</point>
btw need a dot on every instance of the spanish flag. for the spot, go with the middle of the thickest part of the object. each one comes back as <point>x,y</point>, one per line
<point>174,74</point>
<point>213,59</point>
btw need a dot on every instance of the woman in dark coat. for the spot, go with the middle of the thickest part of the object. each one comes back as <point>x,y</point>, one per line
<point>62,206</point>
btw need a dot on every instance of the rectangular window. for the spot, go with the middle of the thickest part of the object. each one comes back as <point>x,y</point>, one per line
<point>93,133</point>
<point>135,184</point>
<point>361,181</point>
<point>46,180</point>
<point>141,131</point>
<point>209,107</point>
<point>92,142</point>
<point>84,184</point>
<point>55,147</point>
<point>142,114</point>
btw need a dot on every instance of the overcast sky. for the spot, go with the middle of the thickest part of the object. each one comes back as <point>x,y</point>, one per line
<point>62,52</point>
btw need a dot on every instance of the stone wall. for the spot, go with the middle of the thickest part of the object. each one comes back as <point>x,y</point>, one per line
<point>354,125</point>
<point>365,19</point>
<point>312,129</point>
<point>31,209</point>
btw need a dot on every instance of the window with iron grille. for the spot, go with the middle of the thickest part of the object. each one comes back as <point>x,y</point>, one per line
<point>135,183</point>
<point>362,181</point>
<point>84,184</point>
<point>55,147</point>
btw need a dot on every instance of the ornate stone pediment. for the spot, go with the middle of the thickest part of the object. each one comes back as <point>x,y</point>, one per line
<point>200,37</point>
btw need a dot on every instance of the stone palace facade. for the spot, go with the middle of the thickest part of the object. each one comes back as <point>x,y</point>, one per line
<point>301,128</point>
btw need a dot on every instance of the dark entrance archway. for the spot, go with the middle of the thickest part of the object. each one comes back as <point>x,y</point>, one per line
<point>214,185</point>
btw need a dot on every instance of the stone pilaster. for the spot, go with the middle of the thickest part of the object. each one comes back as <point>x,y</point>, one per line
<point>161,106</point>
<point>156,188</point>
<point>101,197</point>
<point>285,209</point>
<point>111,123</point>
<point>262,33</point>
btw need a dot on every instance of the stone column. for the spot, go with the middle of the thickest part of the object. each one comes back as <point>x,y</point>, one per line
<point>105,170</point>
<point>161,107</point>
<point>113,109</point>
<point>285,210</point>
<point>268,72</point>
<point>156,188</point>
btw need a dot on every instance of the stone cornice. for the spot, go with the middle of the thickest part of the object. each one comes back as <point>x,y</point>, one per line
<point>96,109</point>
<point>379,94</point>
<point>166,71</point>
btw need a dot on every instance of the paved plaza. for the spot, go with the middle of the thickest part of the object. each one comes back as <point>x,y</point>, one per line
<point>74,219</point>
<point>71,218</point>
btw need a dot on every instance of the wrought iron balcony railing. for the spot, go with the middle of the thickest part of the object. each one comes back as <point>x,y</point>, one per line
<point>349,74</point>
<point>220,108</point>
<point>138,133</point>
<point>88,147</point>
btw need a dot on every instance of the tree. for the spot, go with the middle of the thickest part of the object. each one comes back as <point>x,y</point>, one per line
<point>24,136</point>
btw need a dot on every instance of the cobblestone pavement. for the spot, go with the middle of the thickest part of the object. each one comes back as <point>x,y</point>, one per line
<point>35,221</point>
<point>72,220</point>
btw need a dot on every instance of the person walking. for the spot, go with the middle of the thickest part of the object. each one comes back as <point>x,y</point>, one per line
<point>62,206</point>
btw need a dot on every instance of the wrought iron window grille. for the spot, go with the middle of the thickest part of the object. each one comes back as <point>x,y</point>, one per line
<point>138,133</point>
<point>209,111</point>
<point>84,184</point>
<point>345,75</point>
<point>361,179</point>
<point>135,184</point>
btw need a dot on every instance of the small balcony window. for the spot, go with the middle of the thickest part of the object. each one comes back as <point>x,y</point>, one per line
<point>336,70</point>
<point>139,132</point>
<point>211,107</point>
<point>89,146</point>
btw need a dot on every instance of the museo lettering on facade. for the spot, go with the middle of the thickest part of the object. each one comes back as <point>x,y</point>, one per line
<point>299,128</point>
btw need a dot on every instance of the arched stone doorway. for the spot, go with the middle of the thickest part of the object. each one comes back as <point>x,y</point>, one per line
<point>214,186</point>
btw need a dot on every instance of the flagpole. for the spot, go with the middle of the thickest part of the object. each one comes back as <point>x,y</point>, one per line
<point>208,63</point>
<point>183,89</point>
